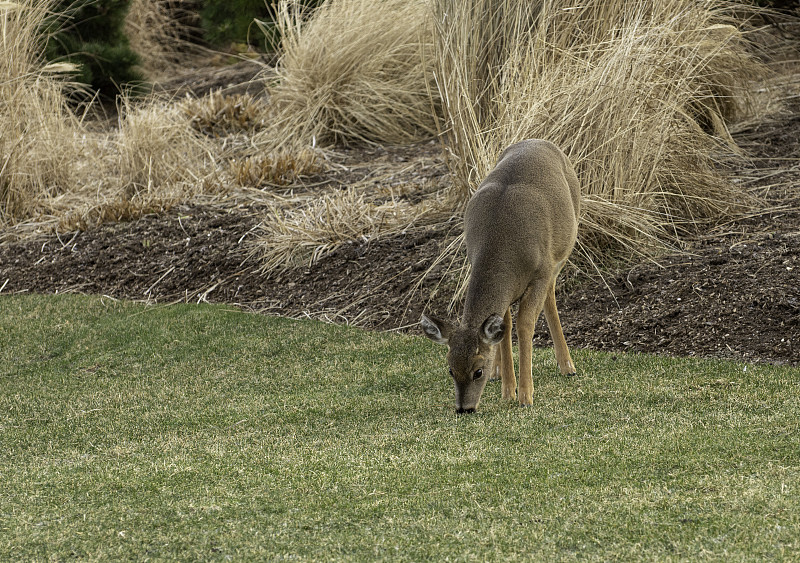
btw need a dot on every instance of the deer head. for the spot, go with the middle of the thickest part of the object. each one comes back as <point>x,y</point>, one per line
<point>470,355</point>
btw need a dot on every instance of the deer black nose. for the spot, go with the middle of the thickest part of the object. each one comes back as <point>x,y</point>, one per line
<point>465,411</point>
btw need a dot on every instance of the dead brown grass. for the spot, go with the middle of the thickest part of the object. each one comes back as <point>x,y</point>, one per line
<point>219,115</point>
<point>158,31</point>
<point>237,120</point>
<point>638,94</point>
<point>356,71</point>
<point>152,162</point>
<point>35,160</point>
<point>55,172</point>
<point>157,146</point>
<point>311,227</point>
<point>276,168</point>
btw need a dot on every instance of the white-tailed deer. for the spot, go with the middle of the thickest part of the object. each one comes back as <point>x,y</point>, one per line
<point>520,228</point>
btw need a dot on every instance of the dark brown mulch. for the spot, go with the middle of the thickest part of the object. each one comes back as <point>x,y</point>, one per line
<point>730,298</point>
<point>245,77</point>
<point>197,254</point>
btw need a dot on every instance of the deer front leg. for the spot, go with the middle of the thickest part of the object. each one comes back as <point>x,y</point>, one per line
<point>530,307</point>
<point>505,355</point>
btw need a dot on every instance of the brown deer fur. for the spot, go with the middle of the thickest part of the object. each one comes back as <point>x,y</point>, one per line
<point>520,228</point>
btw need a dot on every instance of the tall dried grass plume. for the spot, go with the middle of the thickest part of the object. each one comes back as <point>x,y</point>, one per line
<point>160,32</point>
<point>353,71</point>
<point>37,155</point>
<point>637,93</point>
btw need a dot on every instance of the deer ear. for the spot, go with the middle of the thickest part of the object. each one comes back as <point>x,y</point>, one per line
<point>436,329</point>
<point>493,329</point>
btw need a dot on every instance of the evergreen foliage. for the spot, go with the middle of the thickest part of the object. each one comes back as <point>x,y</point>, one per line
<point>232,21</point>
<point>92,36</point>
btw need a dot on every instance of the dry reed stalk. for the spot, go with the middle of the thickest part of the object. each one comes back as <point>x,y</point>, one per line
<point>303,233</point>
<point>158,146</point>
<point>37,152</point>
<point>353,71</point>
<point>158,32</point>
<point>637,93</point>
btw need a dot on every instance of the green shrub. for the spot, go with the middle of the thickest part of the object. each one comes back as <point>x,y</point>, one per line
<point>92,36</point>
<point>226,22</point>
<point>232,21</point>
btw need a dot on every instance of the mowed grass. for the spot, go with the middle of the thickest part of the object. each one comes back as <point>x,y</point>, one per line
<point>204,433</point>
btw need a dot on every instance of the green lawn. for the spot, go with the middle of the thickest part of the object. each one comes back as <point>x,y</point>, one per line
<point>203,433</point>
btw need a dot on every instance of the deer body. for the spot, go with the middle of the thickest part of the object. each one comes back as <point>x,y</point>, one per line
<point>520,227</point>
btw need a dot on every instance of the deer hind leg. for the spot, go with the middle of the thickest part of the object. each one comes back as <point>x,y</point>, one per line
<point>530,307</point>
<point>505,359</point>
<point>563,357</point>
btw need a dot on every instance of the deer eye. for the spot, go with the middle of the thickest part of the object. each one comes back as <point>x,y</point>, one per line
<point>477,375</point>
<point>451,372</point>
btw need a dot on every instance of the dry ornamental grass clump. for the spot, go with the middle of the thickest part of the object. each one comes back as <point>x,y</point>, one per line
<point>54,172</point>
<point>277,168</point>
<point>37,152</point>
<point>312,227</point>
<point>218,114</point>
<point>157,146</point>
<point>159,33</point>
<point>638,94</point>
<point>355,71</point>
<point>152,162</point>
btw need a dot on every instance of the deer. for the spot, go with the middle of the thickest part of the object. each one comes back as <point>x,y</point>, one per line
<point>520,227</point>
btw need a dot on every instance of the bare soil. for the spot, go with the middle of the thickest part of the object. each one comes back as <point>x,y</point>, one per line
<point>733,293</point>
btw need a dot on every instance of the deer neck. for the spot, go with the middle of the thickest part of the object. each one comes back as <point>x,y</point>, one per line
<point>487,293</point>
